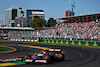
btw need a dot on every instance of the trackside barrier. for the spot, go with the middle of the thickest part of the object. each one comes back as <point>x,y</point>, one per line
<point>14,59</point>
<point>86,43</point>
<point>27,40</point>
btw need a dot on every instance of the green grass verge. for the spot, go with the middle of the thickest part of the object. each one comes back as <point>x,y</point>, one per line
<point>4,48</point>
<point>18,62</point>
<point>3,40</point>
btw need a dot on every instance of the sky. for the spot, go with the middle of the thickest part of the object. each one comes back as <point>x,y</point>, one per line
<point>52,8</point>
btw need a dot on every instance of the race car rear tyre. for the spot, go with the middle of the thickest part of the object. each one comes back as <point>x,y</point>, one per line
<point>49,59</point>
<point>60,57</point>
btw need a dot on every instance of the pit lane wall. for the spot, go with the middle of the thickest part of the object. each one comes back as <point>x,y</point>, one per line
<point>67,42</point>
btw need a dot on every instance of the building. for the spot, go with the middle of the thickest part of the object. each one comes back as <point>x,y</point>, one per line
<point>51,22</point>
<point>20,22</point>
<point>68,13</point>
<point>10,15</point>
<point>34,13</point>
<point>81,18</point>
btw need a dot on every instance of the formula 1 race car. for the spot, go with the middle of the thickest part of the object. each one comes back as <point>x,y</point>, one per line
<point>46,56</point>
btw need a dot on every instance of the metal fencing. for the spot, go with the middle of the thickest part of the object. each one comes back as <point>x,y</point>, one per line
<point>51,34</point>
<point>3,34</point>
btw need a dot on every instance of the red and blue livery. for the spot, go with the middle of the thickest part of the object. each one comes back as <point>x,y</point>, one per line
<point>46,56</point>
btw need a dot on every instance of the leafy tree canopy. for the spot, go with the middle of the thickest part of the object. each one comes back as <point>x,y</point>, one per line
<point>38,22</point>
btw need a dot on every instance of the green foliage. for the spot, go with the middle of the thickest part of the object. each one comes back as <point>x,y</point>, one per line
<point>2,48</point>
<point>38,23</point>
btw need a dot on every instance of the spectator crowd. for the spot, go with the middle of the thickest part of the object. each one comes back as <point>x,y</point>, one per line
<point>86,29</point>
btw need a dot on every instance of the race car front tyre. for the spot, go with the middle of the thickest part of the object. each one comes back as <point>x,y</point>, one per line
<point>22,59</point>
<point>27,62</point>
<point>49,59</point>
<point>25,57</point>
<point>61,57</point>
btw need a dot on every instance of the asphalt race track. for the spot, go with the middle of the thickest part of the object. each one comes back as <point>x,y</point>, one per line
<point>74,56</point>
<point>21,51</point>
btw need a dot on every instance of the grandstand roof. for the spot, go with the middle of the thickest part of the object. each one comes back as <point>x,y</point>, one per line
<point>16,28</point>
<point>69,17</point>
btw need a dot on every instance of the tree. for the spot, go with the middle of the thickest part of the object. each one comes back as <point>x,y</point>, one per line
<point>38,22</point>
<point>51,22</point>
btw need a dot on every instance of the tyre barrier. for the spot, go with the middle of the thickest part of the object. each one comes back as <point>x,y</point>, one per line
<point>85,43</point>
<point>27,40</point>
<point>14,59</point>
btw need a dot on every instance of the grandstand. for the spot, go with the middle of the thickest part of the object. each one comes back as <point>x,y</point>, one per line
<point>16,28</point>
<point>84,27</point>
<point>68,31</point>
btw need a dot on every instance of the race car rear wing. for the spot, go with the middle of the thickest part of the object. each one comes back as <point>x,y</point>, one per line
<point>54,49</point>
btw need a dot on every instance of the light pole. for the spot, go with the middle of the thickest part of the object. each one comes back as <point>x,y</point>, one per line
<point>0,23</point>
<point>76,30</point>
<point>17,22</point>
<point>22,21</point>
<point>83,32</point>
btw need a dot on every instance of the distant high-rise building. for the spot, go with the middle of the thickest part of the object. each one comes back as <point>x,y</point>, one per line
<point>68,13</point>
<point>11,13</point>
<point>34,13</point>
<point>20,22</point>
